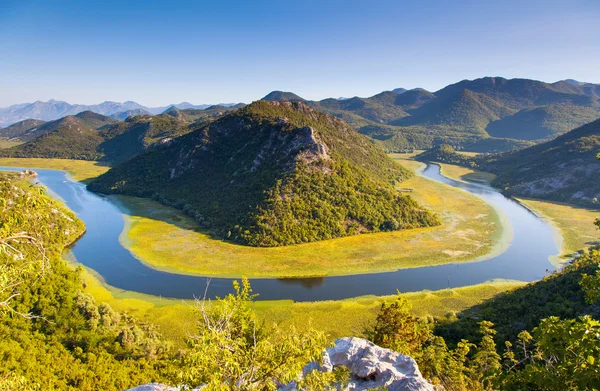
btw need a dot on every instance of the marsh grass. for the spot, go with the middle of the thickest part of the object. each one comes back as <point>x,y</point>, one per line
<point>79,170</point>
<point>575,224</point>
<point>177,320</point>
<point>166,239</point>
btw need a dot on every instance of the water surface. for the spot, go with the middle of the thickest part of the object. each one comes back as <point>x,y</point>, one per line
<point>525,257</point>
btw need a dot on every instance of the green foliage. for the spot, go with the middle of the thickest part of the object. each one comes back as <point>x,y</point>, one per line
<point>273,174</point>
<point>235,351</point>
<point>51,335</point>
<point>565,356</point>
<point>466,367</point>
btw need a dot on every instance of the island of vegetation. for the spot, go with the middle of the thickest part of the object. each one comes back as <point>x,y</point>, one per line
<point>272,174</point>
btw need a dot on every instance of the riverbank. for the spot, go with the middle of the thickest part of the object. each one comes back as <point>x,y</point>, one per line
<point>574,226</point>
<point>177,319</point>
<point>79,170</point>
<point>168,240</point>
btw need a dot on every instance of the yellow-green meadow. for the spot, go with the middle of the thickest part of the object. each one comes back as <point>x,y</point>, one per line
<point>79,170</point>
<point>167,239</point>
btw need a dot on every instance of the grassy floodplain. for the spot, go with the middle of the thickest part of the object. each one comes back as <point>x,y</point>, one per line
<point>166,239</point>
<point>79,170</point>
<point>576,225</point>
<point>177,318</point>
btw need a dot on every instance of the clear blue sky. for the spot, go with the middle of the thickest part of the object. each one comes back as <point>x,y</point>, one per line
<point>158,53</point>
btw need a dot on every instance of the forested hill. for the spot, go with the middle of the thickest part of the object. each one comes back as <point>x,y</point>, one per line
<point>274,173</point>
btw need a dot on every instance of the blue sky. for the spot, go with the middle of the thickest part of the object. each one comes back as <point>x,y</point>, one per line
<point>158,53</point>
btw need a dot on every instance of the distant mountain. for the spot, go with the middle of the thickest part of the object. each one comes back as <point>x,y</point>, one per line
<point>282,96</point>
<point>21,131</point>
<point>574,82</point>
<point>73,137</point>
<point>92,136</point>
<point>542,122</point>
<point>52,110</point>
<point>482,114</point>
<point>273,173</point>
<point>122,115</point>
<point>399,90</point>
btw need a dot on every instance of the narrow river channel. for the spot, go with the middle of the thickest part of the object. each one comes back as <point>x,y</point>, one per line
<point>525,258</point>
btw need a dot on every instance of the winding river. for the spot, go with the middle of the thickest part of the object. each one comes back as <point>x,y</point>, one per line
<point>525,258</point>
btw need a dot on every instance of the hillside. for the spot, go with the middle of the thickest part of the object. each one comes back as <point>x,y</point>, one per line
<point>122,115</point>
<point>481,115</point>
<point>542,122</point>
<point>273,173</point>
<point>564,169</point>
<point>91,136</point>
<point>71,137</point>
<point>21,131</point>
<point>50,332</point>
<point>467,110</point>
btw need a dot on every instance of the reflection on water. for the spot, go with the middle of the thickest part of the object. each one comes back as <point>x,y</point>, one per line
<point>526,258</point>
<point>310,282</point>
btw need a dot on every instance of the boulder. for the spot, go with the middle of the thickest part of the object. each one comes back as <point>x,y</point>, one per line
<point>372,367</point>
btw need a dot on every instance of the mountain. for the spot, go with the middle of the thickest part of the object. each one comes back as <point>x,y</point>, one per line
<point>282,96</point>
<point>135,135</point>
<point>380,108</point>
<point>542,122</point>
<point>467,110</point>
<point>484,114</point>
<point>72,137</point>
<point>564,169</point>
<point>516,93</point>
<point>21,131</point>
<point>273,173</point>
<point>399,90</point>
<point>574,82</point>
<point>129,113</point>
<point>52,110</point>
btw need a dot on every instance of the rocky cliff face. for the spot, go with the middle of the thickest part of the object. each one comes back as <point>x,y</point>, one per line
<point>370,367</point>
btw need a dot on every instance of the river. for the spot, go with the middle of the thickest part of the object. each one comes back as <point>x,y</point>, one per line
<point>525,258</point>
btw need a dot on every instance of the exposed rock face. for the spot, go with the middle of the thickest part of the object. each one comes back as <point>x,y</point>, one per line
<point>370,365</point>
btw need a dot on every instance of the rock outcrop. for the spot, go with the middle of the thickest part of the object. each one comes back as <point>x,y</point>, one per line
<point>370,367</point>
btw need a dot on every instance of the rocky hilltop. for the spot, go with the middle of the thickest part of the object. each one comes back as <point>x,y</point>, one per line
<point>273,173</point>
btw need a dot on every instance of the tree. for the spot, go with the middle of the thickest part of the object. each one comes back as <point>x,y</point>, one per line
<point>233,350</point>
<point>566,357</point>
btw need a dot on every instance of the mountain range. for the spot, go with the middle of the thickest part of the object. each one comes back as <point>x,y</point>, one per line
<point>53,109</point>
<point>273,173</point>
<point>490,114</point>
<point>91,136</point>
<point>485,115</point>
